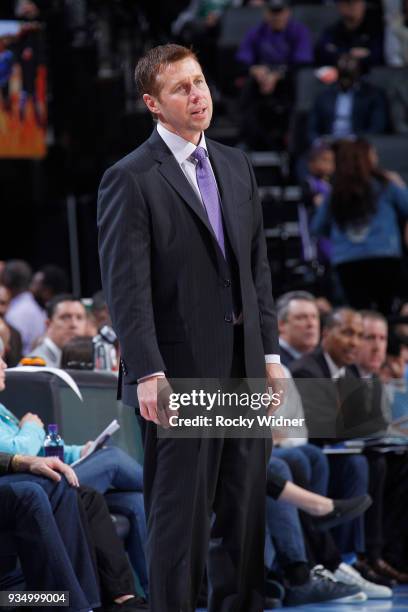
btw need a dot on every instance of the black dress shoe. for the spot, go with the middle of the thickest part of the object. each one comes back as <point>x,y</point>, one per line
<point>371,575</point>
<point>344,510</point>
<point>134,604</point>
<point>383,568</point>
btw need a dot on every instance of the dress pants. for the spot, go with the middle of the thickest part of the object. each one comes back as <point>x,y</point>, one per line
<point>205,503</point>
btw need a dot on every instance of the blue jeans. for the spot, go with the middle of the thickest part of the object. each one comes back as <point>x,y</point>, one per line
<point>309,466</point>
<point>283,521</point>
<point>50,541</point>
<point>116,475</point>
<point>349,477</point>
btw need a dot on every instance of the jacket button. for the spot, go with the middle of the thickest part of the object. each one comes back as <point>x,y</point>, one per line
<point>228,318</point>
<point>227,282</point>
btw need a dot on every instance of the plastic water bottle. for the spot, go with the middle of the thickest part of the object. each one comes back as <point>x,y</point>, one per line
<point>53,443</point>
<point>100,354</point>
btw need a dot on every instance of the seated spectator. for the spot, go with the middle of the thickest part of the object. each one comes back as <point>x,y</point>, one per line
<point>270,52</point>
<point>110,471</point>
<point>50,539</point>
<point>288,539</point>
<point>370,358</point>
<point>199,26</point>
<point>48,282</point>
<point>348,107</point>
<point>342,332</point>
<point>299,325</point>
<point>23,312</point>
<point>315,188</point>
<point>361,218</point>
<point>66,319</point>
<point>13,346</point>
<point>99,310</point>
<point>321,167</point>
<point>396,32</point>
<point>355,33</point>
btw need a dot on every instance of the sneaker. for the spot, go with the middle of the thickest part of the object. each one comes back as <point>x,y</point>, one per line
<point>321,587</point>
<point>347,574</point>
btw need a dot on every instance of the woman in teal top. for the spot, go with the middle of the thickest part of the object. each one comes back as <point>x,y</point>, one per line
<point>362,218</point>
<point>26,437</point>
<point>110,471</point>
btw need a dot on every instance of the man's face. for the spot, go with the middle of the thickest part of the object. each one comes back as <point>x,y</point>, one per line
<point>302,326</point>
<point>68,321</point>
<point>5,298</point>
<point>352,12</point>
<point>373,348</point>
<point>184,104</point>
<point>277,19</point>
<point>343,341</point>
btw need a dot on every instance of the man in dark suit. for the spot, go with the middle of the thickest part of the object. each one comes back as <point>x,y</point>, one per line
<point>187,282</point>
<point>299,325</point>
<point>336,408</point>
<point>351,106</point>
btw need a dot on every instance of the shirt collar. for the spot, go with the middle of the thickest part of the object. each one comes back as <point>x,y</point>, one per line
<point>335,371</point>
<point>296,354</point>
<point>181,149</point>
<point>53,347</point>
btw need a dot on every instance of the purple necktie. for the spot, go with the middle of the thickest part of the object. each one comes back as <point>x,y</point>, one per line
<point>209,193</point>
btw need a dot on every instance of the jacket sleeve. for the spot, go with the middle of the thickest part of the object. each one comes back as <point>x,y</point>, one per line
<point>124,251</point>
<point>261,274</point>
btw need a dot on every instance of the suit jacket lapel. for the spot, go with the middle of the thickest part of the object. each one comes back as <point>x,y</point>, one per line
<point>172,172</point>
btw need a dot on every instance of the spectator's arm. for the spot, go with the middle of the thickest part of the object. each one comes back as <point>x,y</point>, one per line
<point>246,53</point>
<point>400,199</point>
<point>72,452</point>
<point>27,441</point>
<point>302,51</point>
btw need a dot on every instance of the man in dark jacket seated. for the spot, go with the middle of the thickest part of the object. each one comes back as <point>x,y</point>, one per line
<point>351,106</point>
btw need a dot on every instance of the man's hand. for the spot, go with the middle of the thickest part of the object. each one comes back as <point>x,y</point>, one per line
<point>31,418</point>
<point>50,467</point>
<point>153,395</point>
<point>276,381</point>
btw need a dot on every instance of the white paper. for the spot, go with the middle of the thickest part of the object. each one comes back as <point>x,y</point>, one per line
<point>67,378</point>
<point>100,440</point>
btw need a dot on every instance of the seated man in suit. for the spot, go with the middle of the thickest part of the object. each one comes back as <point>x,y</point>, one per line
<point>351,106</point>
<point>66,318</point>
<point>385,525</point>
<point>342,334</point>
<point>299,325</point>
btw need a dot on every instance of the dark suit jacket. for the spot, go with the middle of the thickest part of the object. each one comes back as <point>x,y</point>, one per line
<point>169,290</point>
<point>343,409</point>
<point>369,114</point>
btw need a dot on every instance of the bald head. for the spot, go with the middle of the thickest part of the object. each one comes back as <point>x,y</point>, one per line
<point>342,336</point>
